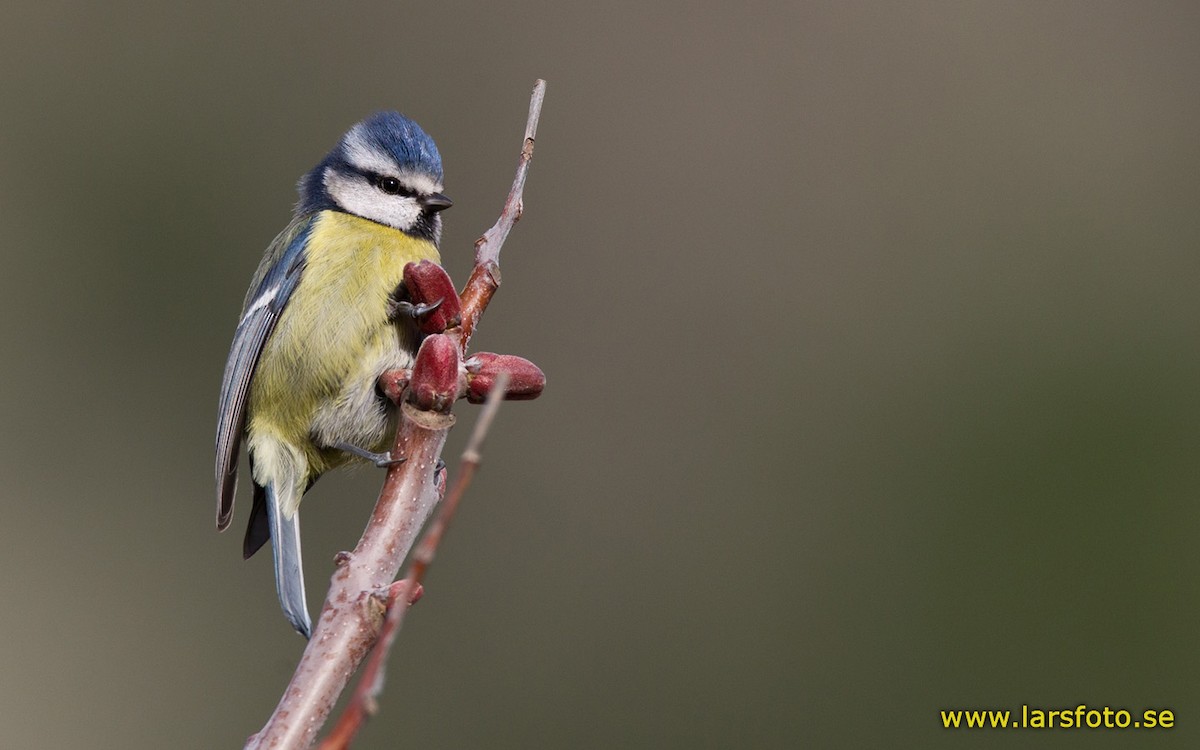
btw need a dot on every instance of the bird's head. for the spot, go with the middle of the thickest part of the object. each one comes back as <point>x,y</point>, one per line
<point>385,169</point>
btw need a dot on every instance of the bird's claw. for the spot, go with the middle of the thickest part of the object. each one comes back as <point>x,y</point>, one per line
<point>414,311</point>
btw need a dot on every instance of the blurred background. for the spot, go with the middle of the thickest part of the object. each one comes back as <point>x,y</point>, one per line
<point>871,335</point>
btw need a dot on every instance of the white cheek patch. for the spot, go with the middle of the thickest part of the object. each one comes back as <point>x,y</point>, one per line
<point>355,195</point>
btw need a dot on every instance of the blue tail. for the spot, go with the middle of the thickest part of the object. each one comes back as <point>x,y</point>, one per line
<point>289,572</point>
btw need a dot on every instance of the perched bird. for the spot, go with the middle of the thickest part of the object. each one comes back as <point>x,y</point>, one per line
<point>326,314</point>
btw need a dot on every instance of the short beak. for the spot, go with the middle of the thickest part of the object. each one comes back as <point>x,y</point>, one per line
<point>435,202</point>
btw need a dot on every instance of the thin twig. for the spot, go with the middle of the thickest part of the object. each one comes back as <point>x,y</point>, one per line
<point>485,277</point>
<point>422,556</point>
<point>366,695</point>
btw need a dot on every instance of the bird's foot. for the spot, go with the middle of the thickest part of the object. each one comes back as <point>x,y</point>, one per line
<point>382,460</point>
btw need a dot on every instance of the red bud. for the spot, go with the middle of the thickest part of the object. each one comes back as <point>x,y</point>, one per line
<point>427,284</point>
<point>526,380</point>
<point>393,383</point>
<point>398,589</point>
<point>434,384</point>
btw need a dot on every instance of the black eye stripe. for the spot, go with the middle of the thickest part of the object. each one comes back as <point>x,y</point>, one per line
<point>390,185</point>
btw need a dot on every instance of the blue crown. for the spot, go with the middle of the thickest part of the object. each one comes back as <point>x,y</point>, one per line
<point>409,146</point>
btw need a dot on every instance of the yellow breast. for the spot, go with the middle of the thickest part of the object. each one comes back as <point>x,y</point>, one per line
<point>334,334</point>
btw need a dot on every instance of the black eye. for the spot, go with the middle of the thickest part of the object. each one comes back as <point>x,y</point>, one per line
<point>390,185</point>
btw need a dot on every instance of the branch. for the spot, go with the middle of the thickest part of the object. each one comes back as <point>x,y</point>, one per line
<point>366,695</point>
<point>364,704</point>
<point>353,612</point>
<point>362,590</point>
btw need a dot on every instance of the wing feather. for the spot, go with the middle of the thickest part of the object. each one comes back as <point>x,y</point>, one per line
<point>273,285</point>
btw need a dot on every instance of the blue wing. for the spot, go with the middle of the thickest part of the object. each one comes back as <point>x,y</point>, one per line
<point>273,285</point>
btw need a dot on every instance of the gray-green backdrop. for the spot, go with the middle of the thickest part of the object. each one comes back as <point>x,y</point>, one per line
<point>871,333</point>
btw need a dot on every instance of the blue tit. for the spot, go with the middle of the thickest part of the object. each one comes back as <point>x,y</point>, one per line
<point>326,314</point>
